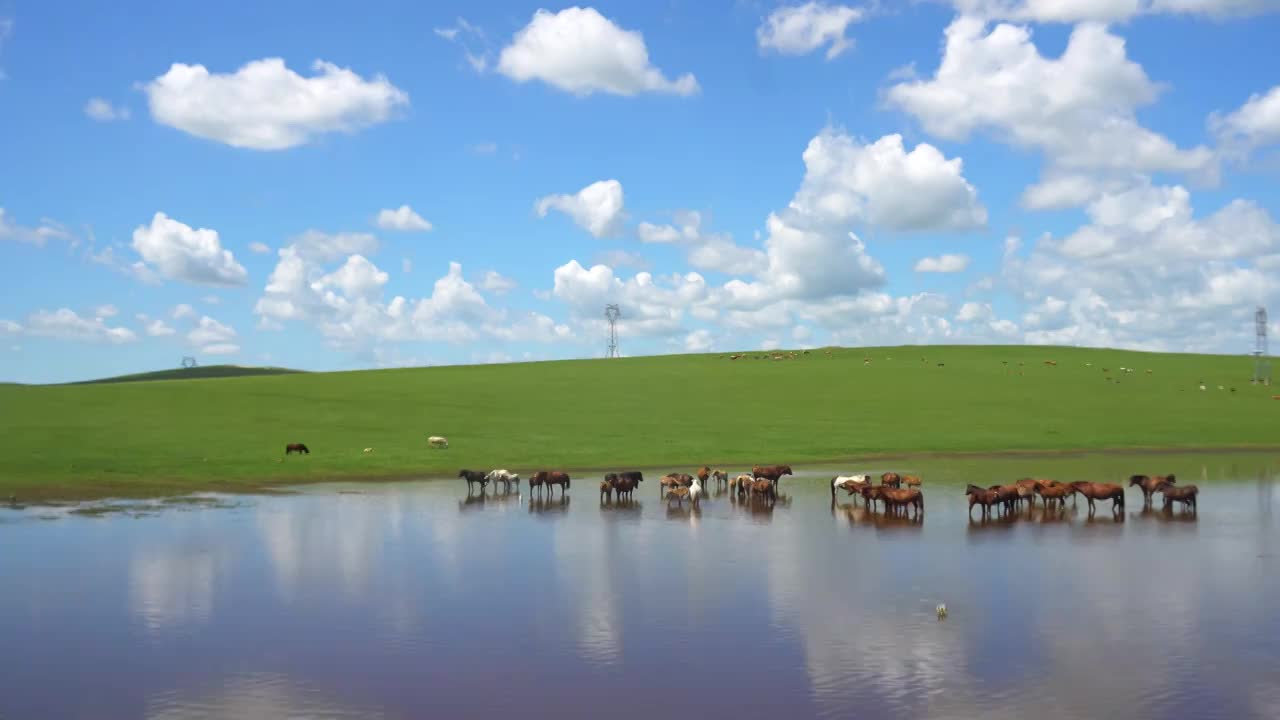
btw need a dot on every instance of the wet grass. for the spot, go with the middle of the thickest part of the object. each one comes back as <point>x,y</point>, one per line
<point>228,434</point>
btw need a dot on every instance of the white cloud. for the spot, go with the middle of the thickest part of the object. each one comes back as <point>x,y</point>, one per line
<point>483,148</point>
<point>705,251</point>
<point>406,266</point>
<point>460,33</point>
<point>39,235</point>
<point>972,311</point>
<point>65,324</point>
<point>496,283</point>
<point>1059,191</point>
<point>884,185</point>
<point>259,248</point>
<point>325,247</point>
<point>9,327</point>
<point>1079,109</point>
<point>580,51</point>
<point>180,253</point>
<point>106,311</point>
<point>266,106</point>
<point>156,327</point>
<point>618,258</point>
<point>801,29</point>
<point>402,218</point>
<point>596,208</point>
<point>1253,124</point>
<point>942,264</point>
<point>181,311</point>
<point>357,278</point>
<point>103,111</point>
<point>698,341</point>
<point>213,338</point>
<point>1073,11</point>
<point>211,300</point>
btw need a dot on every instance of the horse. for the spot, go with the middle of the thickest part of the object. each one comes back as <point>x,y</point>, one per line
<point>1185,494</point>
<point>1051,493</point>
<point>764,488</point>
<point>436,441</point>
<point>606,489</point>
<point>773,473</point>
<point>695,492</point>
<point>296,448</point>
<point>849,483</point>
<point>981,496</point>
<point>1100,491</point>
<point>872,493</point>
<point>537,480</point>
<point>672,481</point>
<point>741,484</point>
<point>1006,495</point>
<point>474,476</point>
<point>553,477</point>
<point>898,498</point>
<point>720,476</point>
<point>624,483</point>
<point>703,473</point>
<point>505,477</point>
<point>911,480</point>
<point>1148,484</point>
<point>891,479</point>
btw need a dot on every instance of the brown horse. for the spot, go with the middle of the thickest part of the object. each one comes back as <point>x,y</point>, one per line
<point>1148,484</point>
<point>872,493</point>
<point>764,488</point>
<point>474,476</point>
<point>296,448</point>
<point>537,480</point>
<point>891,479</point>
<point>624,483</point>
<point>1055,493</point>
<point>673,481</point>
<point>773,473</point>
<point>1185,494</point>
<point>678,494</point>
<point>741,484</point>
<point>547,478</point>
<point>704,474</point>
<point>1100,491</point>
<point>606,490</point>
<point>911,480</point>
<point>981,496</point>
<point>901,499</point>
<point>1006,495</point>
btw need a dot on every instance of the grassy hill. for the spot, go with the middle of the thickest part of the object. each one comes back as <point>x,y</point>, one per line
<point>195,373</point>
<point>152,437</point>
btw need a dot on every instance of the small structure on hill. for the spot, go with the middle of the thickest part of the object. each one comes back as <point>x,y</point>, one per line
<point>1261,362</point>
<point>189,362</point>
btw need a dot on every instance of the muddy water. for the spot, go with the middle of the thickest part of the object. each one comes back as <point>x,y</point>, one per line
<point>411,601</point>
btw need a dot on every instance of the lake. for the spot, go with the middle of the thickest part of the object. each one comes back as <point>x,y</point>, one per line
<point>409,600</point>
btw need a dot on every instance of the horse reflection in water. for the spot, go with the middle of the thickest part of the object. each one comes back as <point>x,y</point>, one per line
<point>880,521</point>
<point>488,499</point>
<point>548,505</point>
<point>760,506</point>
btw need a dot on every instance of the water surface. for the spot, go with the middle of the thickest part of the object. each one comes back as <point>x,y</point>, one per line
<point>412,600</point>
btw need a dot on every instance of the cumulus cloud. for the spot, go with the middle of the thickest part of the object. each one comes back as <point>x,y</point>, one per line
<point>103,111</point>
<point>1073,11</point>
<point>155,327</point>
<point>266,106</point>
<point>1078,109</point>
<point>181,311</point>
<point>402,218</point>
<point>178,252</point>
<point>715,252</point>
<point>1146,273</point>
<point>327,247</point>
<point>106,311</point>
<point>801,29</point>
<point>40,234</point>
<point>580,51</point>
<point>496,283</point>
<point>942,264</point>
<point>596,208</point>
<point>259,248</point>
<point>1253,124</point>
<point>213,338</point>
<point>65,324</point>
<point>698,341</point>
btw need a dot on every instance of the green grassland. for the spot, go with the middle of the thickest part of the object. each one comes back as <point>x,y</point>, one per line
<point>145,438</point>
<point>203,371</point>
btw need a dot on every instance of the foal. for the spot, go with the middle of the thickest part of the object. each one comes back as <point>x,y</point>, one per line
<point>1148,484</point>
<point>1185,494</point>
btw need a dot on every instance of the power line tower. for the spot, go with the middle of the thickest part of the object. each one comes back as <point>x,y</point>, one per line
<point>612,313</point>
<point>189,362</point>
<point>1261,363</point>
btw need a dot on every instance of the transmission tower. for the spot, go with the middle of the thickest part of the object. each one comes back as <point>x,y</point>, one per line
<point>1261,363</point>
<point>612,313</point>
<point>188,362</point>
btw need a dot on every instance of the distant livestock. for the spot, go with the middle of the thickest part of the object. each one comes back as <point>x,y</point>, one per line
<point>292,448</point>
<point>506,477</point>
<point>1148,484</point>
<point>547,478</point>
<point>773,473</point>
<point>436,441</point>
<point>368,450</point>
<point>474,477</point>
<point>1185,494</point>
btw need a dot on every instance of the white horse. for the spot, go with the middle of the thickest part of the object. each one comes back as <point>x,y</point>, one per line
<point>695,491</point>
<point>847,482</point>
<point>505,477</point>
<point>436,441</point>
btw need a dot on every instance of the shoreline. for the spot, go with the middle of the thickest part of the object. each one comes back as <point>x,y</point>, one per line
<point>57,494</point>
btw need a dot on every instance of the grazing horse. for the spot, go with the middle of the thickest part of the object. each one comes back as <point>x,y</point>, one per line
<point>773,473</point>
<point>606,489</point>
<point>981,496</point>
<point>678,494</point>
<point>296,448</point>
<point>474,476</point>
<point>1185,494</point>
<point>506,477</point>
<point>849,483</point>
<point>1148,484</point>
<point>901,499</point>
<point>624,483</point>
<point>911,480</point>
<point>891,479</point>
<point>436,441</point>
<point>550,478</point>
<point>872,493</point>
<point>537,480</point>
<point>1006,495</point>
<point>741,484</point>
<point>1100,491</point>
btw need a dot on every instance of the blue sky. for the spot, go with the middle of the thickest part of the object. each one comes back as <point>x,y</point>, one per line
<point>208,181</point>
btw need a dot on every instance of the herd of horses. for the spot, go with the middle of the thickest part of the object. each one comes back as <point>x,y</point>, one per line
<point>762,483</point>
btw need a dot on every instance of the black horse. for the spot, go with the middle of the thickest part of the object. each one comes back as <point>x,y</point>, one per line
<point>474,476</point>
<point>296,448</point>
